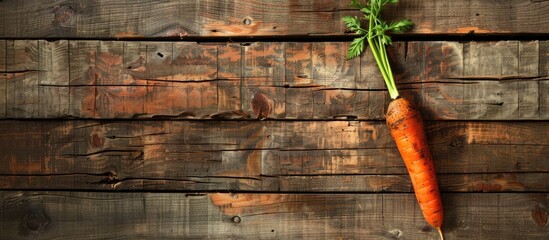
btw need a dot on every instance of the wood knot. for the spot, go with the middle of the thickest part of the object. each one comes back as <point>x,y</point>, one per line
<point>456,142</point>
<point>64,16</point>
<point>540,216</point>
<point>426,229</point>
<point>396,232</point>
<point>97,141</point>
<point>137,155</point>
<point>262,105</point>
<point>109,178</point>
<point>462,224</point>
<point>35,221</point>
<point>488,187</point>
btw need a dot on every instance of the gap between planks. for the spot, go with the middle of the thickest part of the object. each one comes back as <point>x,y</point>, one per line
<point>468,37</point>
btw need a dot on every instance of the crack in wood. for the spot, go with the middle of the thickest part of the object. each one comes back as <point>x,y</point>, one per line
<point>55,174</point>
<point>438,82</point>
<point>115,181</point>
<point>22,71</point>
<point>182,115</point>
<point>495,103</point>
<point>102,152</point>
<point>230,115</point>
<point>499,78</point>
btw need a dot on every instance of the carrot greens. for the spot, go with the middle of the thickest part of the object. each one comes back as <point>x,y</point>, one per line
<point>376,36</point>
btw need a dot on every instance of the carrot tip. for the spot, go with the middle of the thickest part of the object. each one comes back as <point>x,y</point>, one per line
<point>440,232</point>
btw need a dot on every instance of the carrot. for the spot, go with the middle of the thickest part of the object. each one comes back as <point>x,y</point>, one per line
<point>403,119</point>
<point>406,126</point>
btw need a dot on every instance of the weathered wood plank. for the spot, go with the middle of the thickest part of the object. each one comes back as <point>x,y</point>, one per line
<point>520,182</point>
<point>544,85</point>
<point>263,155</point>
<point>53,78</point>
<point>124,19</point>
<point>22,70</point>
<point>400,183</point>
<point>80,215</point>
<point>3,78</point>
<point>97,79</point>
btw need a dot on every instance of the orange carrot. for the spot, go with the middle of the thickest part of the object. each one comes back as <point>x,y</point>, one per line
<point>403,119</point>
<point>406,126</point>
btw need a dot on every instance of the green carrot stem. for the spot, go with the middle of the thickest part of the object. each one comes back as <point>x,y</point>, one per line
<point>379,62</point>
<point>393,92</point>
<point>389,71</point>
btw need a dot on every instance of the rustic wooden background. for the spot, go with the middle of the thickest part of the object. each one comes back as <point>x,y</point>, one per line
<point>243,120</point>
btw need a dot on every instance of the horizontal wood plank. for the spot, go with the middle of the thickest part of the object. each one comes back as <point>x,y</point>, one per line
<point>503,80</point>
<point>79,215</point>
<point>153,19</point>
<point>3,78</point>
<point>265,155</point>
<point>321,183</point>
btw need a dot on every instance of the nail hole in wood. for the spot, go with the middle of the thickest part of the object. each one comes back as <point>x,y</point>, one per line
<point>236,219</point>
<point>160,54</point>
<point>247,21</point>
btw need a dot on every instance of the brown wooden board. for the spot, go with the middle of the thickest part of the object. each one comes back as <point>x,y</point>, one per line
<point>321,183</point>
<point>153,19</point>
<point>504,80</point>
<point>81,215</point>
<point>3,78</point>
<point>265,155</point>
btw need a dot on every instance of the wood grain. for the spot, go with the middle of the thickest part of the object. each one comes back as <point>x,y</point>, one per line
<point>80,215</point>
<point>111,126</point>
<point>3,78</point>
<point>264,155</point>
<point>321,183</point>
<point>179,19</point>
<point>503,80</point>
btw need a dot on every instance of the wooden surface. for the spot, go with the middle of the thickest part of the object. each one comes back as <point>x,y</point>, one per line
<point>171,18</point>
<point>243,120</point>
